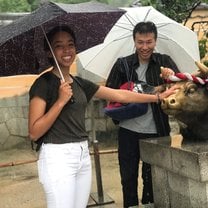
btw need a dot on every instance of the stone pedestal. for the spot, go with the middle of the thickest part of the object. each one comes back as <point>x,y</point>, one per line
<point>179,172</point>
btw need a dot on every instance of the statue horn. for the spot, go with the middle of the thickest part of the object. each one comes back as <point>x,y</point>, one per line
<point>203,70</point>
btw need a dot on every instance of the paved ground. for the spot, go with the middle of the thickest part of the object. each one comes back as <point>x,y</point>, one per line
<point>19,186</point>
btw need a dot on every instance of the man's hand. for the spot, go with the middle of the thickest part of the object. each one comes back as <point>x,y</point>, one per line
<point>166,72</point>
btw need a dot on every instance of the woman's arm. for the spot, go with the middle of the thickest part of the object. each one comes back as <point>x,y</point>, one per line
<point>39,121</point>
<point>126,96</point>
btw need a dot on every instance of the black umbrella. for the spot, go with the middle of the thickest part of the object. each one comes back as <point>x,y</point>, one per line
<point>21,42</point>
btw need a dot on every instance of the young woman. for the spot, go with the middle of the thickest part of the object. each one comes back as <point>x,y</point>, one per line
<point>57,116</point>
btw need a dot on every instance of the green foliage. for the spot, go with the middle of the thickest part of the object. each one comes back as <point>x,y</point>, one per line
<point>14,6</point>
<point>70,1</point>
<point>30,5</point>
<point>120,3</point>
<point>77,1</point>
<point>30,1</point>
<point>177,10</point>
<point>149,3</point>
<point>203,47</point>
<point>205,63</point>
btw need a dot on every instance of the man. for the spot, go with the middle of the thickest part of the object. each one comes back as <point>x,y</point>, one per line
<point>144,65</point>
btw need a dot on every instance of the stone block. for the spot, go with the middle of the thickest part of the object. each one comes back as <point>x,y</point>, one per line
<point>11,112</point>
<point>23,100</point>
<point>195,160</point>
<point>185,180</point>
<point>110,126</point>
<point>198,194</point>
<point>4,133</point>
<point>15,101</point>
<point>203,161</point>
<point>18,126</point>
<point>88,124</point>
<point>15,142</point>
<point>88,112</point>
<point>178,190</point>
<point>153,152</point>
<point>160,187</point>
<point>25,111</point>
<point>186,163</point>
<point>102,105</point>
<point>100,124</point>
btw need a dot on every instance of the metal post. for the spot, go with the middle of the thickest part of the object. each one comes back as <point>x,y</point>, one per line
<point>99,198</point>
<point>98,171</point>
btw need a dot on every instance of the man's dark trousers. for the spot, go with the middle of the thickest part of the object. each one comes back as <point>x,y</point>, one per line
<point>129,157</point>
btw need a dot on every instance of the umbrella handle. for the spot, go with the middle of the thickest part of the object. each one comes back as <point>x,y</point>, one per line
<point>59,69</point>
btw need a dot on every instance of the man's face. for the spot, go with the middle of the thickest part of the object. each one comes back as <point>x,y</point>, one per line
<point>145,44</point>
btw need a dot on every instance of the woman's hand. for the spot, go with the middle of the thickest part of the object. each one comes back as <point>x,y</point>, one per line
<point>65,92</point>
<point>166,72</point>
<point>167,92</point>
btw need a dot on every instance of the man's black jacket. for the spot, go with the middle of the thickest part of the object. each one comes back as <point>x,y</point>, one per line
<point>118,76</point>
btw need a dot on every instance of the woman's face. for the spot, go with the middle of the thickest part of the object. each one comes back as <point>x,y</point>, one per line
<point>64,49</point>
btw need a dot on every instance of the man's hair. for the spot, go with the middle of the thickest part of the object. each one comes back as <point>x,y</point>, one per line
<point>50,35</point>
<point>144,28</point>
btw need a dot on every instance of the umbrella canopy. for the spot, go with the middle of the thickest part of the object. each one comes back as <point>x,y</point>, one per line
<point>21,42</point>
<point>174,39</point>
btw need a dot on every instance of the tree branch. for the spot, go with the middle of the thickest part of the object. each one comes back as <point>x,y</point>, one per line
<point>195,5</point>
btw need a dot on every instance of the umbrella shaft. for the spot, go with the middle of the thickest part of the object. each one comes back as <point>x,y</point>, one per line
<point>60,72</point>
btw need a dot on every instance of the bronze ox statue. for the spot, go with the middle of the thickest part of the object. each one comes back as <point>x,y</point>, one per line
<point>189,105</point>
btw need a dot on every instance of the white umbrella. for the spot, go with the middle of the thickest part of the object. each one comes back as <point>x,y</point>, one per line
<point>174,39</point>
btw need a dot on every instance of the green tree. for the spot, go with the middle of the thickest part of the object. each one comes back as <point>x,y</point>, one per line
<point>30,5</point>
<point>14,6</point>
<point>70,1</point>
<point>179,10</point>
<point>120,3</point>
<point>77,1</point>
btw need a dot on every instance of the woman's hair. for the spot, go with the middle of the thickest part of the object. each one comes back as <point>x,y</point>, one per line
<point>144,28</point>
<point>50,35</point>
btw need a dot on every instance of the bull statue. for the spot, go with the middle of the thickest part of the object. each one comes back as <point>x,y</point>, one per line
<point>189,104</point>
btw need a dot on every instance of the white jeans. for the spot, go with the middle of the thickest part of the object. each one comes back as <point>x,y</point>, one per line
<point>65,172</point>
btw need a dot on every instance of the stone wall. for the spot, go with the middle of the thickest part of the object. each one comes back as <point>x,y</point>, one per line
<point>14,121</point>
<point>179,172</point>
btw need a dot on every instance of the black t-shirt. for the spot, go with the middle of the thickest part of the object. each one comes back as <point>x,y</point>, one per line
<point>70,124</point>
